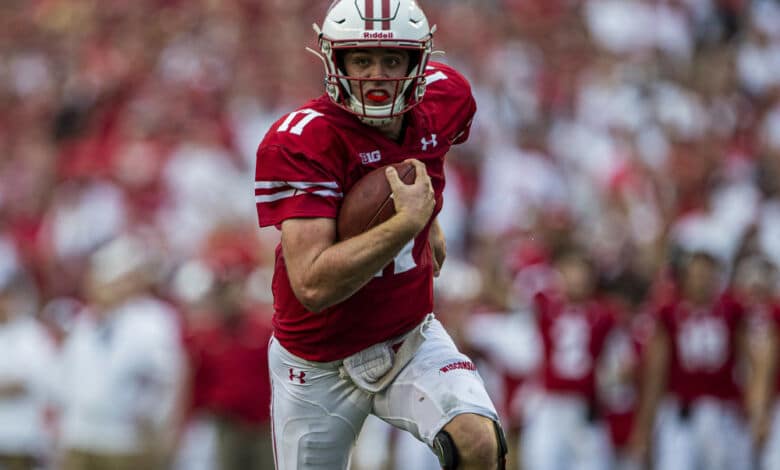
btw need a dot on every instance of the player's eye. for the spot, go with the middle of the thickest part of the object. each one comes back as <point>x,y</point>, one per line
<point>361,61</point>
<point>393,61</point>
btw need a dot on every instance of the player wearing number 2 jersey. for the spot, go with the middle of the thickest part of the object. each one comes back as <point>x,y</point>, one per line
<point>565,430</point>
<point>354,332</point>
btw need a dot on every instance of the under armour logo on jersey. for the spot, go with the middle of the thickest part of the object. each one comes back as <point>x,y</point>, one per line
<point>432,141</point>
<point>300,376</point>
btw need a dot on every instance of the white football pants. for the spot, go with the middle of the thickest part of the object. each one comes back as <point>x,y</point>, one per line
<point>317,415</point>
<point>713,436</point>
<point>558,436</point>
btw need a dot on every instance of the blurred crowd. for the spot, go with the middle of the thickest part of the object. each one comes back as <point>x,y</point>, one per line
<point>626,153</point>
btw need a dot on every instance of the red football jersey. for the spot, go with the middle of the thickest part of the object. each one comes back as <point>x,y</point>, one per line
<point>220,356</point>
<point>312,157</point>
<point>573,338</point>
<point>703,354</point>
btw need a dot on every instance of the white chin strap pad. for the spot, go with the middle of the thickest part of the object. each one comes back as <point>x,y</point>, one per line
<point>375,115</point>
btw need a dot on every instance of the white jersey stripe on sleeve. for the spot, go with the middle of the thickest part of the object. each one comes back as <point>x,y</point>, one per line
<point>277,196</point>
<point>295,184</point>
<point>328,193</point>
<point>295,192</point>
<point>270,184</point>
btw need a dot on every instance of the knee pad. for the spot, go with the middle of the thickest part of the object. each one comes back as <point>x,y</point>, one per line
<point>502,447</point>
<point>445,450</point>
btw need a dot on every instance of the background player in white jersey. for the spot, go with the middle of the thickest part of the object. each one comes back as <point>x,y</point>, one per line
<point>26,363</point>
<point>354,334</point>
<point>122,367</point>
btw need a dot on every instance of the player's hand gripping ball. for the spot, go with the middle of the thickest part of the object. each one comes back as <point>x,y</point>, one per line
<point>368,202</point>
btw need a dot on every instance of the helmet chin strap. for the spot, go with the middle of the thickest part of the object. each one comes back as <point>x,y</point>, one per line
<point>375,122</point>
<point>382,113</point>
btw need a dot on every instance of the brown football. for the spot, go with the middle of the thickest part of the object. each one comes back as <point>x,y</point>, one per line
<point>368,202</point>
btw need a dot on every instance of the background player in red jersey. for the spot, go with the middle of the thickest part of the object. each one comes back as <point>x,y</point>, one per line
<point>566,430</point>
<point>691,365</point>
<point>619,378</point>
<point>755,281</point>
<point>354,333</point>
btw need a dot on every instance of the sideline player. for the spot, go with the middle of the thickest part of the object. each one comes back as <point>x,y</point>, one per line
<point>690,371</point>
<point>354,334</point>
<point>566,429</point>
<point>755,282</point>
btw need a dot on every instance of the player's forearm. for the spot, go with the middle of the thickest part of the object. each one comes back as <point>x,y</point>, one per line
<point>436,233</point>
<point>762,359</point>
<point>653,381</point>
<point>345,267</point>
<point>438,246</point>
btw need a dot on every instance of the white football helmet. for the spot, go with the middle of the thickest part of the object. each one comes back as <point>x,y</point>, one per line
<point>393,24</point>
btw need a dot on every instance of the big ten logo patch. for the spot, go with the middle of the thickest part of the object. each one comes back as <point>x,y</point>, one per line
<point>370,157</point>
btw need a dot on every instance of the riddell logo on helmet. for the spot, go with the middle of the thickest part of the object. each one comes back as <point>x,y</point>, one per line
<point>378,35</point>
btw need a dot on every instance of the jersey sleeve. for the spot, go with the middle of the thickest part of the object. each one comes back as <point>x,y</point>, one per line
<point>296,175</point>
<point>455,105</point>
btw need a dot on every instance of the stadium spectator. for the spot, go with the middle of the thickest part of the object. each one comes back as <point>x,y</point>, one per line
<point>121,367</point>
<point>26,367</point>
<point>227,344</point>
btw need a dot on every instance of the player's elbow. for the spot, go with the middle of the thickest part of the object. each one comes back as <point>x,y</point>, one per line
<point>313,305</point>
<point>312,298</point>
<point>309,289</point>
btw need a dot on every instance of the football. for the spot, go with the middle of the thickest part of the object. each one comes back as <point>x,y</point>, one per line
<point>368,202</point>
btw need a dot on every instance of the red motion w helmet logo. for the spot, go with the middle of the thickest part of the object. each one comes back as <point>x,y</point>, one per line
<point>300,376</point>
<point>385,18</point>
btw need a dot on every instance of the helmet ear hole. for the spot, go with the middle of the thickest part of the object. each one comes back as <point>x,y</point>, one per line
<point>339,55</point>
<point>414,60</point>
<point>339,58</point>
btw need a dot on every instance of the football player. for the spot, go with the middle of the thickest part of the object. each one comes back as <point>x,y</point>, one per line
<point>755,281</point>
<point>566,429</point>
<point>354,330</point>
<point>690,370</point>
